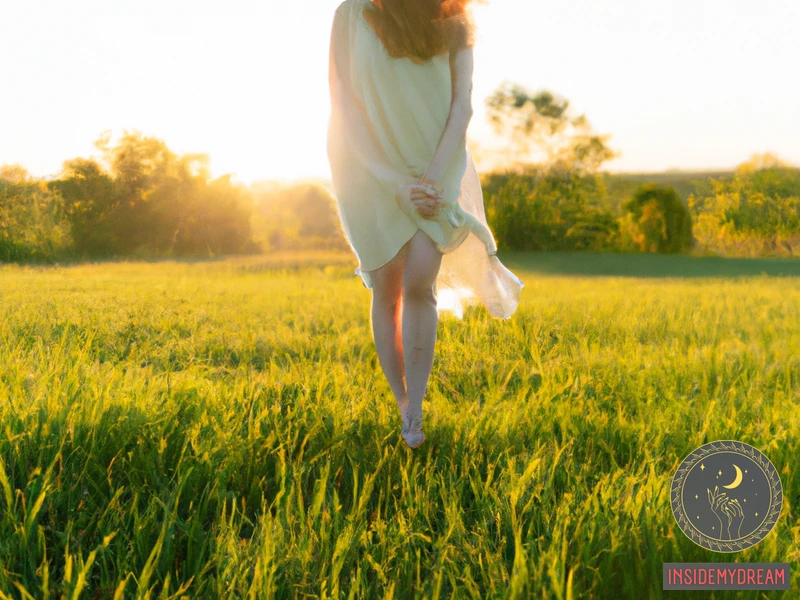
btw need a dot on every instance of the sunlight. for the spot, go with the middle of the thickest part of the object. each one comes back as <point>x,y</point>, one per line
<point>248,85</point>
<point>450,301</point>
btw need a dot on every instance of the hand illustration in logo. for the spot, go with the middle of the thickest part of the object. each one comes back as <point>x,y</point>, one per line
<point>733,510</point>
<point>715,499</point>
<point>728,511</point>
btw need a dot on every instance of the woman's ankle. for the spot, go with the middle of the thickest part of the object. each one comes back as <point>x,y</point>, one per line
<point>402,406</point>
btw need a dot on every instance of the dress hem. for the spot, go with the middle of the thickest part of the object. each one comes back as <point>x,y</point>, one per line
<point>365,275</point>
<point>367,279</point>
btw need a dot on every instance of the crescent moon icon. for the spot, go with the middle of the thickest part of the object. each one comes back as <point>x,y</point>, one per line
<point>736,481</point>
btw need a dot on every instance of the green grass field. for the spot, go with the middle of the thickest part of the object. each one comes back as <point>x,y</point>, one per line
<point>223,429</point>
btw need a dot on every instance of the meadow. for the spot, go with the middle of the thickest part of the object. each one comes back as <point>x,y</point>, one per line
<point>222,429</point>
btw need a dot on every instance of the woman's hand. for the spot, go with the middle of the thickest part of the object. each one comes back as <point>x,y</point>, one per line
<point>426,197</point>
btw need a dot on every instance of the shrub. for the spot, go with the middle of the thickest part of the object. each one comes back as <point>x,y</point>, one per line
<point>757,213</point>
<point>545,208</point>
<point>33,226</point>
<point>661,221</point>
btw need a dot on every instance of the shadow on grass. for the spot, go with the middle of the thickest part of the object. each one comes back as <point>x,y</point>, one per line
<point>601,264</point>
<point>647,265</point>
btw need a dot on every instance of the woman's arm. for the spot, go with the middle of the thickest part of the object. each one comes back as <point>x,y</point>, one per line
<point>455,131</point>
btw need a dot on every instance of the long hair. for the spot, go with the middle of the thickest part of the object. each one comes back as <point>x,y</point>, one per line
<point>421,29</point>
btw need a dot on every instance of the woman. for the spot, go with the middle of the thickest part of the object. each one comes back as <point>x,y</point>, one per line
<point>408,194</point>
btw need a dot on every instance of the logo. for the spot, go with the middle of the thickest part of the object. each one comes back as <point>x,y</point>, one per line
<point>726,496</point>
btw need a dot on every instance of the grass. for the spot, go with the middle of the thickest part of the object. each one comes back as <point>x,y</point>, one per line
<point>222,429</point>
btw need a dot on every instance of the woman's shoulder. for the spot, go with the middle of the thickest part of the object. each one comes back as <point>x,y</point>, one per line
<point>347,7</point>
<point>352,3</point>
<point>461,30</point>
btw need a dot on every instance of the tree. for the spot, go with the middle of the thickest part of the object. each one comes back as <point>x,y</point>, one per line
<point>216,221</point>
<point>764,160</point>
<point>150,202</point>
<point>90,199</point>
<point>540,120</point>
<point>302,215</point>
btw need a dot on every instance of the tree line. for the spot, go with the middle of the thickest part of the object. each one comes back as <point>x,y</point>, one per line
<point>142,200</point>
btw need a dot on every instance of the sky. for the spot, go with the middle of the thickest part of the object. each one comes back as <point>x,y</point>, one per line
<point>690,84</point>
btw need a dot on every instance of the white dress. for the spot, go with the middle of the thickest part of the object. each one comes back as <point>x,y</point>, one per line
<point>387,117</point>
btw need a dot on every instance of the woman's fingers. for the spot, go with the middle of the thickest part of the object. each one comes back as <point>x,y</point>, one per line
<point>427,208</point>
<point>423,196</point>
<point>420,190</point>
<point>426,202</point>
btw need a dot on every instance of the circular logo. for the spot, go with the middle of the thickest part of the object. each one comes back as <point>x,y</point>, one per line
<point>726,496</point>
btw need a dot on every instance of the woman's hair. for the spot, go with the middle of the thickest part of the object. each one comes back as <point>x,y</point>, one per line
<point>421,29</point>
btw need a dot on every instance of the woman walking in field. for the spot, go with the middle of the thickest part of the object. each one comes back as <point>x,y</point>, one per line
<point>408,194</point>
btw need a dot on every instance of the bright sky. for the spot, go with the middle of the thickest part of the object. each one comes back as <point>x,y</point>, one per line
<point>678,84</point>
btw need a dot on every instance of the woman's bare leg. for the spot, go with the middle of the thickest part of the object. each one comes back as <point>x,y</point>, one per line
<point>420,318</point>
<point>385,317</point>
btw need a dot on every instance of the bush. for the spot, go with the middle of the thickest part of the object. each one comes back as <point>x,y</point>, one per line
<point>545,208</point>
<point>33,226</point>
<point>757,213</point>
<point>657,220</point>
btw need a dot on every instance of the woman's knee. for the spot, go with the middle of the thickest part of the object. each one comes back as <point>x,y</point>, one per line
<point>387,282</point>
<point>420,283</point>
<point>426,292</point>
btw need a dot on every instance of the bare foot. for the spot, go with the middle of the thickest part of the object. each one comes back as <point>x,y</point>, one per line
<point>412,430</point>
